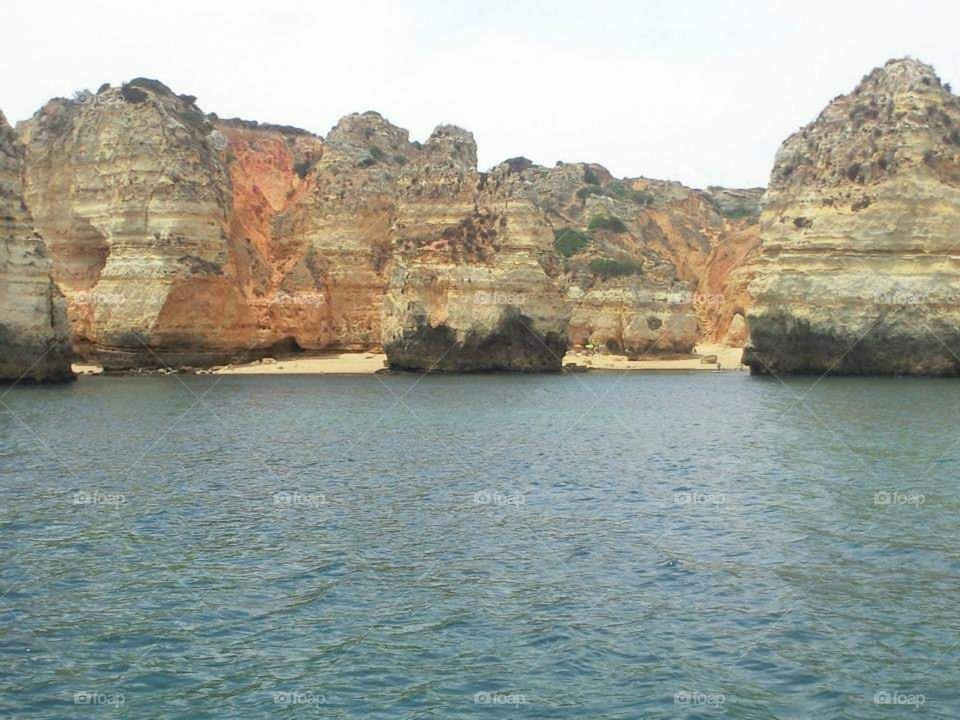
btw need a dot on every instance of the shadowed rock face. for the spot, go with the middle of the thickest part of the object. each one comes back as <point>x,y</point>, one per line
<point>860,231</point>
<point>34,332</point>
<point>514,345</point>
<point>890,346</point>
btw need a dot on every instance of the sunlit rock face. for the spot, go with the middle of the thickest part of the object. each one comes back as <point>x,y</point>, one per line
<point>34,332</point>
<point>473,283</point>
<point>334,239</point>
<point>132,195</point>
<point>860,228</point>
<point>160,222</point>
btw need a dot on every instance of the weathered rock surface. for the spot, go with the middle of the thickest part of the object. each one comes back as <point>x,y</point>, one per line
<point>860,230</point>
<point>645,257</point>
<point>334,239</point>
<point>160,225</point>
<point>473,284</point>
<point>34,332</point>
<point>129,190</point>
<point>269,171</point>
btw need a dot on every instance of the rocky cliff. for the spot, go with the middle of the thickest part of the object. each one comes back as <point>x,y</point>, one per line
<point>646,261</point>
<point>128,189</point>
<point>335,237</point>
<point>473,285</point>
<point>181,238</point>
<point>860,225</point>
<point>34,332</point>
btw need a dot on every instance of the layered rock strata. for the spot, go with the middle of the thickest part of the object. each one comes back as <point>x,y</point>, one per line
<point>34,332</point>
<point>473,283</point>
<point>858,272</point>
<point>333,241</point>
<point>128,188</point>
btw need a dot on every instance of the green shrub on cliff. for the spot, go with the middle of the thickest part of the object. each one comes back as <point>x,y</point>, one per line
<point>622,191</point>
<point>588,190</point>
<point>606,222</point>
<point>133,95</point>
<point>302,168</point>
<point>569,242</point>
<point>738,213</point>
<point>607,268</point>
<point>616,189</point>
<point>376,153</point>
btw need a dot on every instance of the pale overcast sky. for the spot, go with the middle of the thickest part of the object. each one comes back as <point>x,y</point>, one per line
<point>697,91</point>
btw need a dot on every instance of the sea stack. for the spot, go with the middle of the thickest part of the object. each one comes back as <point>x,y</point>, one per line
<point>860,232</point>
<point>34,332</point>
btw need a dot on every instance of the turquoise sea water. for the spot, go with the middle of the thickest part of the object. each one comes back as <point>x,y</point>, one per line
<point>597,546</point>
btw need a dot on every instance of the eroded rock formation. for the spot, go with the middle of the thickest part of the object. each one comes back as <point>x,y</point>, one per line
<point>335,237</point>
<point>180,238</point>
<point>128,188</point>
<point>34,332</point>
<point>473,285</point>
<point>860,228</point>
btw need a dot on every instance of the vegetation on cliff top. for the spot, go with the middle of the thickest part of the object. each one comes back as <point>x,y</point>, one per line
<point>616,189</point>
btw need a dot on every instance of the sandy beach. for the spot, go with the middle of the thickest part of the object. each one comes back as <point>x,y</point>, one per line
<point>368,363</point>
<point>334,364</point>
<point>728,357</point>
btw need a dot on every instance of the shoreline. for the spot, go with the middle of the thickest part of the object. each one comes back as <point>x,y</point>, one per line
<point>367,363</point>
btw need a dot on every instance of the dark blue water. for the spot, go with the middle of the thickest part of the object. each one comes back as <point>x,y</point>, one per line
<point>597,546</point>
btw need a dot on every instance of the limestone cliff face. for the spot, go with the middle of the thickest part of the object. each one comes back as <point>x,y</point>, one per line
<point>161,226</point>
<point>130,191</point>
<point>641,254</point>
<point>268,168</point>
<point>722,298</point>
<point>859,230</point>
<point>34,333</point>
<point>473,281</point>
<point>335,238</point>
